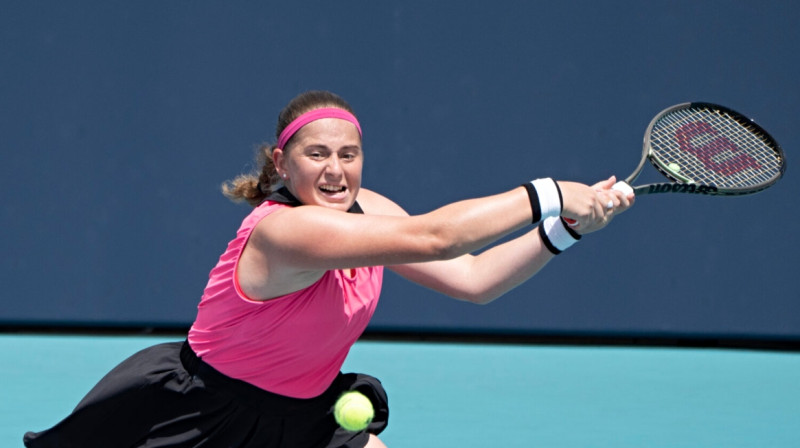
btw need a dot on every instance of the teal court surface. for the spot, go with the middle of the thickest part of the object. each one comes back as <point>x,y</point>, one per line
<point>484,395</point>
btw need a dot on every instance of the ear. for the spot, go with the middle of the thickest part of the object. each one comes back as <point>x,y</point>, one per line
<point>279,159</point>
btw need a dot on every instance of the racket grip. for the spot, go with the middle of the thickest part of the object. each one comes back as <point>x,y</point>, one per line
<point>623,187</point>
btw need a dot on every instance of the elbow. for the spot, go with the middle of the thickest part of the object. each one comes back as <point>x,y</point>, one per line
<point>477,297</point>
<point>435,239</point>
<point>445,245</point>
<point>446,251</point>
<point>484,299</point>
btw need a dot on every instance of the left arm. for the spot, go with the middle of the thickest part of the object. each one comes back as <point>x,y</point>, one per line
<point>475,278</point>
<point>488,275</point>
<point>484,277</point>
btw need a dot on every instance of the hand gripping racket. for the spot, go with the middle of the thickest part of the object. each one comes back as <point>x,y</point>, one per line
<point>704,148</point>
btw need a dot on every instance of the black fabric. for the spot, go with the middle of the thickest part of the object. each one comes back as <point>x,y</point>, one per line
<point>533,197</point>
<point>284,196</point>
<point>165,396</point>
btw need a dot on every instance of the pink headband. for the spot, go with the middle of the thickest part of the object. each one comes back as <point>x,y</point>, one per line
<point>313,115</point>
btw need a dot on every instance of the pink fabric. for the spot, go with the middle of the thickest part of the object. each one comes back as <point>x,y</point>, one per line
<point>292,345</point>
<point>313,115</point>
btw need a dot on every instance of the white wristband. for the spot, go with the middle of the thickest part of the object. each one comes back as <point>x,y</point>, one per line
<point>545,198</point>
<point>556,235</point>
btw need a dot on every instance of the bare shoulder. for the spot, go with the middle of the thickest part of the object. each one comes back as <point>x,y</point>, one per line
<point>374,203</point>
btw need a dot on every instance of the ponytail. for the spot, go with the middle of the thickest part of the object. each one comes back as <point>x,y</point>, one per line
<point>254,187</point>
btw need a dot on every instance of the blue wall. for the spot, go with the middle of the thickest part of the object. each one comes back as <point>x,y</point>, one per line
<point>119,120</point>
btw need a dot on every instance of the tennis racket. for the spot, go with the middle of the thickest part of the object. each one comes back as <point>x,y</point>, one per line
<point>704,148</point>
<point>707,149</point>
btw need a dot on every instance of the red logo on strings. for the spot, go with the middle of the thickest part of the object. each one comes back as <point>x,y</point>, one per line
<point>708,152</point>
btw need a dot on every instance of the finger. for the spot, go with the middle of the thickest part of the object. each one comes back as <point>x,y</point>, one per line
<point>605,184</point>
<point>599,210</point>
<point>621,202</point>
<point>617,196</point>
<point>625,200</point>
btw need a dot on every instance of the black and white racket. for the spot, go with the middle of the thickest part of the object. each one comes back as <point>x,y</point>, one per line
<point>704,148</point>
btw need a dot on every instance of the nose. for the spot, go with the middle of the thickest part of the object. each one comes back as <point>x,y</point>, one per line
<point>334,166</point>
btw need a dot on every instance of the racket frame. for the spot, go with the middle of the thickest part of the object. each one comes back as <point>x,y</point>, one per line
<point>682,184</point>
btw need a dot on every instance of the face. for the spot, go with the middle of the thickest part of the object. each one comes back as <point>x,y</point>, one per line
<point>323,163</point>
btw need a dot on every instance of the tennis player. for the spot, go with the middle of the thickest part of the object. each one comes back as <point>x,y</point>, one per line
<point>298,285</point>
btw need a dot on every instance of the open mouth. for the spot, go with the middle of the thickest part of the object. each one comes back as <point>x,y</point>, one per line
<point>333,189</point>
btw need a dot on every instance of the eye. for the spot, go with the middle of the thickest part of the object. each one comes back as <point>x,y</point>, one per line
<point>349,155</point>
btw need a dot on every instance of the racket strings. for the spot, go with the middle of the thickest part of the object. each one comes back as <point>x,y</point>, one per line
<point>711,147</point>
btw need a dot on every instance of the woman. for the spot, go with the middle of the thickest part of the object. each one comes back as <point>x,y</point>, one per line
<point>298,285</point>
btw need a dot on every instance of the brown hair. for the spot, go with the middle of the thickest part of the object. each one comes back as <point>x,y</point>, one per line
<point>256,186</point>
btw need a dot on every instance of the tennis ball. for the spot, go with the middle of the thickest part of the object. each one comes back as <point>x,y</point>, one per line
<point>674,167</point>
<point>353,411</point>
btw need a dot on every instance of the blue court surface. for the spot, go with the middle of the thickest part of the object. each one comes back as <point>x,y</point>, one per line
<point>490,395</point>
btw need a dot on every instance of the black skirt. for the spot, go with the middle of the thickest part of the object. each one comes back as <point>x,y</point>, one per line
<point>165,396</point>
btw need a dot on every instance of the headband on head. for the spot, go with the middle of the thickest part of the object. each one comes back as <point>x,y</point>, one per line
<point>314,115</point>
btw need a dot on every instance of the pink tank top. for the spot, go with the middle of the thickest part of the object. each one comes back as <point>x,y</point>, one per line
<point>293,345</point>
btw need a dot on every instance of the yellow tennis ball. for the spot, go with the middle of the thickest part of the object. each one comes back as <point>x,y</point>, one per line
<point>674,167</point>
<point>353,411</point>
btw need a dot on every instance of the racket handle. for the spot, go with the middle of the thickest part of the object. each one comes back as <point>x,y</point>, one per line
<point>623,187</point>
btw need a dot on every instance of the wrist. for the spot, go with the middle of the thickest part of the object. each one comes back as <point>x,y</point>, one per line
<point>545,198</point>
<point>556,235</point>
